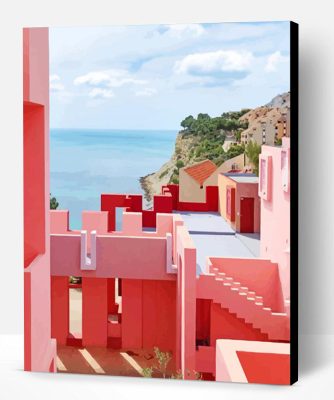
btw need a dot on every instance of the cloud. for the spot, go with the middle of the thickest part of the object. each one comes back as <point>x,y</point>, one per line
<point>214,63</point>
<point>274,60</point>
<point>100,93</point>
<point>55,84</point>
<point>111,78</point>
<point>183,30</point>
<point>146,92</point>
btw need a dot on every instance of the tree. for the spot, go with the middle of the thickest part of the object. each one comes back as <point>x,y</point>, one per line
<point>53,203</point>
<point>253,151</point>
<point>188,122</point>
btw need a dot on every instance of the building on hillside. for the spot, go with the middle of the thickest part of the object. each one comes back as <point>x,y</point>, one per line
<point>267,127</point>
<point>274,192</point>
<point>239,203</point>
<point>193,180</point>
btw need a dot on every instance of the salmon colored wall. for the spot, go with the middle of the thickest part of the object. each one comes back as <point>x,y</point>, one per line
<point>39,348</point>
<point>34,181</point>
<point>275,220</point>
<point>94,311</point>
<point>258,275</point>
<point>186,302</point>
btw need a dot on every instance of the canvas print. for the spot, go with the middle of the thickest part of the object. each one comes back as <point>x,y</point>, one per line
<point>159,179</point>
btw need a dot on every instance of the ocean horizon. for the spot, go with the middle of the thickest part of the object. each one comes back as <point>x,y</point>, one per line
<point>87,162</point>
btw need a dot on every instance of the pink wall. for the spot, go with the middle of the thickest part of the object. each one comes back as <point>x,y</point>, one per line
<point>39,348</point>
<point>186,303</point>
<point>275,218</point>
<point>146,260</point>
<point>258,275</point>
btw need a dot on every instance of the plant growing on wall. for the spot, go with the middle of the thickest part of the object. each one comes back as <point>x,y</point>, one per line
<point>53,203</point>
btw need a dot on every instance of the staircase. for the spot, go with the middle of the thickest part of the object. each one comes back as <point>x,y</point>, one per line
<point>243,302</point>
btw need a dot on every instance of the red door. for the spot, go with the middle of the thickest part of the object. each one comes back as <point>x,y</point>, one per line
<point>246,214</point>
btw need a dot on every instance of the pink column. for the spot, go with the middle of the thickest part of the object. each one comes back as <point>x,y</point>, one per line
<point>60,308</point>
<point>94,311</point>
<point>188,317</point>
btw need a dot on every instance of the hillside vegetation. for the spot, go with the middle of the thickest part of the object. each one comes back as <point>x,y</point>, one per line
<point>203,137</point>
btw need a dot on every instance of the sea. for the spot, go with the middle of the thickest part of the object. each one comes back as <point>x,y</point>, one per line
<point>87,162</point>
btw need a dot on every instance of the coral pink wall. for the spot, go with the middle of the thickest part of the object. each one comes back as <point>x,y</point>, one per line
<point>148,314</point>
<point>225,325</point>
<point>275,219</point>
<point>258,275</point>
<point>186,302</point>
<point>146,260</point>
<point>40,349</point>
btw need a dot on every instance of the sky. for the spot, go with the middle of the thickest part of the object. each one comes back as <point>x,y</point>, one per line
<point>153,76</point>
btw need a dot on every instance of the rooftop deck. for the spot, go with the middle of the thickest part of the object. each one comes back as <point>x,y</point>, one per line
<point>214,237</point>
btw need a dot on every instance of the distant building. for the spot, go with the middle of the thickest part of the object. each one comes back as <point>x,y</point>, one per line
<point>239,202</point>
<point>194,179</point>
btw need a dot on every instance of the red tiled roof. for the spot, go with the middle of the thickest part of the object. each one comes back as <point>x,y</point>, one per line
<point>201,171</point>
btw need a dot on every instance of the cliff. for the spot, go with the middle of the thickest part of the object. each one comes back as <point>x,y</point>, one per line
<point>203,138</point>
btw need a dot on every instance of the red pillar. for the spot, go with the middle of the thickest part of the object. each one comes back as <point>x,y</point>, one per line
<point>132,313</point>
<point>112,306</point>
<point>94,311</point>
<point>59,308</point>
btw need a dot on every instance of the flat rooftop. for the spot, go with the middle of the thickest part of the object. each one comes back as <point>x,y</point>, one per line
<point>214,237</point>
<point>243,178</point>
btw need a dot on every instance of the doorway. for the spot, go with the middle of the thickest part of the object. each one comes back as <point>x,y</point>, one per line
<point>246,215</point>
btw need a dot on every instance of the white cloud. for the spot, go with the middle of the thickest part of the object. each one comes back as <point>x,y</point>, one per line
<point>213,62</point>
<point>55,84</point>
<point>101,93</point>
<point>108,78</point>
<point>181,30</point>
<point>275,59</point>
<point>147,92</point>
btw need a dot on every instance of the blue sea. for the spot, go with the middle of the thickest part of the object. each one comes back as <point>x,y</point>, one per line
<point>86,163</point>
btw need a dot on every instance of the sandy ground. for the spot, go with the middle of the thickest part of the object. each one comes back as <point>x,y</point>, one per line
<point>76,311</point>
<point>104,361</point>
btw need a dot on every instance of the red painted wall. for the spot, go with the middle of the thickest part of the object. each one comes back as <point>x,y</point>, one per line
<point>60,308</point>
<point>265,368</point>
<point>148,314</point>
<point>94,311</point>
<point>225,325</point>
